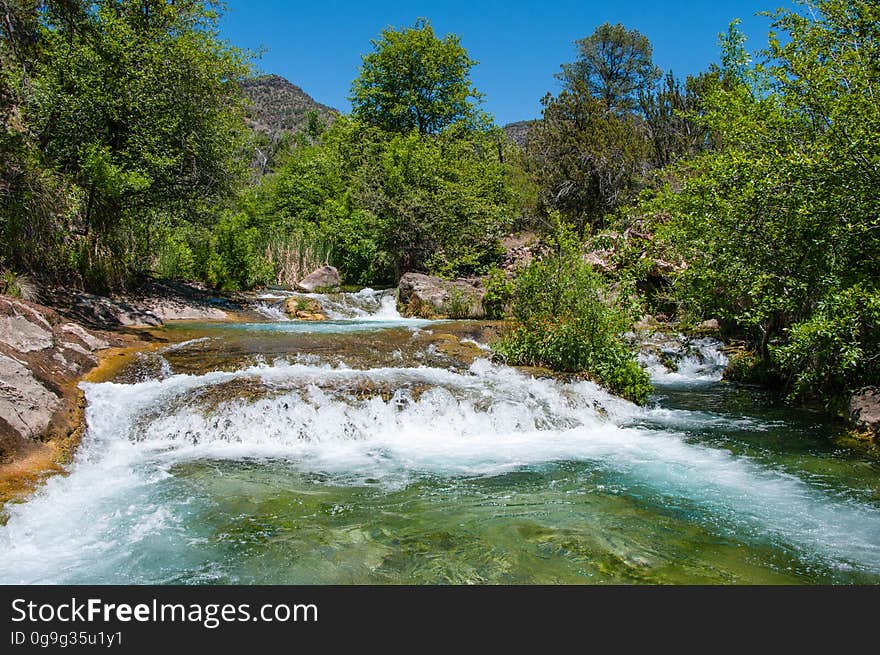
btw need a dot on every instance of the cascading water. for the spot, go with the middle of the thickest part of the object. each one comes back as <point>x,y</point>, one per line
<point>365,305</point>
<point>304,471</point>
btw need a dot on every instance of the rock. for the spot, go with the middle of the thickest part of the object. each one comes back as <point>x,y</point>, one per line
<point>864,410</point>
<point>661,268</point>
<point>42,356</point>
<point>171,309</point>
<point>519,251</point>
<point>599,259</point>
<point>427,296</point>
<point>302,308</point>
<point>712,325</point>
<point>325,277</point>
<point>100,312</point>
<point>148,305</point>
<point>646,324</point>
<point>23,335</point>
<point>90,340</point>
<point>25,404</point>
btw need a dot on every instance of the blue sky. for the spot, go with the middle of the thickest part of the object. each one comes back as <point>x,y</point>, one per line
<point>519,44</point>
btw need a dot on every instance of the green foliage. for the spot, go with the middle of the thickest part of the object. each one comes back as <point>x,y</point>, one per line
<point>17,285</point>
<point>388,203</point>
<point>779,225</point>
<point>457,305</point>
<point>746,367</point>
<point>587,160</point>
<point>499,294</point>
<point>836,350</point>
<point>126,115</point>
<point>614,65</point>
<point>672,115</point>
<point>563,320</point>
<point>414,80</point>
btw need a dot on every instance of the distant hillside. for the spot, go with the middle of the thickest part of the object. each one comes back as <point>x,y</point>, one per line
<point>517,132</point>
<point>279,106</point>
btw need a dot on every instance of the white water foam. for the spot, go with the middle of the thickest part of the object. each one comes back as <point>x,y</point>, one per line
<point>272,312</point>
<point>696,361</point>
<point>487,421</point>
<point>365,305</point>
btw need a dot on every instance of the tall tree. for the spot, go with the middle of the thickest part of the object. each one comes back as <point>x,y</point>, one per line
<point>615,64</point>
<point>779,226</point>
<point>136,104</point>
<point>414,80</point>
<point>587,160</point>
<point>672,115</point>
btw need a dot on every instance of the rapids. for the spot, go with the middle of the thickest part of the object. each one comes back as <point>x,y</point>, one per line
<point>355,451</point>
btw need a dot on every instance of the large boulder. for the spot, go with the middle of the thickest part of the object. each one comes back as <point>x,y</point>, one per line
<point>42,355</point>
<point>864,410</point>
<point>302,308</point>
<point>426,296</point>
<point>323,278</point>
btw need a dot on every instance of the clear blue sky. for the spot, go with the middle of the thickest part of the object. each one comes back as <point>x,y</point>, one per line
<point>519,44</point>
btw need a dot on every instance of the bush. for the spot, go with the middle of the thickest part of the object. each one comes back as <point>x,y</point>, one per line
<point>16,285</point>
<point>236,256</point>
<point>563,320</point>
<point>749,368</point>
<point>499,294</point>
<point>835,351</point>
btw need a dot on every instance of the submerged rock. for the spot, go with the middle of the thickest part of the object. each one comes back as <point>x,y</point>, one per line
<point>324,278</point>
<point>426,296</point>
<point>303,308</point>
<point>864,410</point>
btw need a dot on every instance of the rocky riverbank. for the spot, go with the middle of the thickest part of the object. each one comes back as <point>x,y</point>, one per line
<point>47,347</point>
<point>42,356</point>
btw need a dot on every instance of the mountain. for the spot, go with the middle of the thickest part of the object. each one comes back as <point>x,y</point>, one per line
<point>280,106</point>
<point>518,132</point>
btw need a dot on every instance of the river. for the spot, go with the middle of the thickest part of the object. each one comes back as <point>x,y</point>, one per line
<point>357,451</point>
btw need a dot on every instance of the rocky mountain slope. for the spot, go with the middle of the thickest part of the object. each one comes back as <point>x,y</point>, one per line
<point>518,131</point>
<point>280,106</point>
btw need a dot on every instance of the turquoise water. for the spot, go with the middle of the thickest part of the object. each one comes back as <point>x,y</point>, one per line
<point>355,452</point>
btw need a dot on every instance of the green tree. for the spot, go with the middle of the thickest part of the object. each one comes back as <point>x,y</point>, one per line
<point>587,161</point>
<point>390,203</point>
<point>779,226</point>
<point>134,104</point>
<point>414,80</point>
<point>672,116</point>
<point>614,64</point>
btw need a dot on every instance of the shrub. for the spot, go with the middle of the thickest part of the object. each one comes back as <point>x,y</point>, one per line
<point>563,320</point>
<point>458,305</point>
<point>499,293</point>
<point>16,285</point>
<point>835,351</point>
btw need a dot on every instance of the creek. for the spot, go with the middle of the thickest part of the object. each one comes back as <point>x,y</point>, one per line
<point>357,451</point>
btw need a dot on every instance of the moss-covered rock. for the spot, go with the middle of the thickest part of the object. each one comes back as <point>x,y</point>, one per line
<point>303,308</point>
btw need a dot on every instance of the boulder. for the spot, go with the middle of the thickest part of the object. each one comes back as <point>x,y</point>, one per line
<point>42,355</point>
<point>426,296</point>
<point>325,277</point>
<point>100,312</point>
<point>26,405</point>
<point>302,308</point>
<point>864,410</point>
<point>599,259</point>
<point>519,251</point>
<point>711,325</point>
